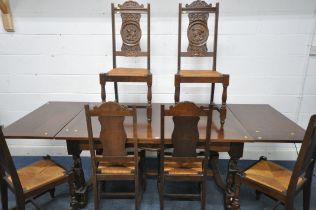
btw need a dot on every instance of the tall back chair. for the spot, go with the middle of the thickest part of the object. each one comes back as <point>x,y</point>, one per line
<point>185,164</point>
<point>280,183</point>
<point>114,163</point>
<point>31,181</point>
<point>131,34</point>
<point>198,34</point>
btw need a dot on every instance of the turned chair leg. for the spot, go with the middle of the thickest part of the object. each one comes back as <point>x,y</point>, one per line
<point>177,88</point>
<point>212,93</point>
<point>116,92</point>
<point>102,79</point>
<point>203,194</point>
<point>149,112</point>
<point>143,170</point>
<point>4,195</point>
<point>224,98</point>
<point>96,195</point>
<point>161,193</point>
<point>137,192</point>
<point>149,98</point>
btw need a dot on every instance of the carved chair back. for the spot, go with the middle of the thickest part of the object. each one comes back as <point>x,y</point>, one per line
<point>111,116</point>
<point>131,32</point>
<point>306,158</point>
<point>185,135</point>
<point>198,31</point>
<point>7,167</point>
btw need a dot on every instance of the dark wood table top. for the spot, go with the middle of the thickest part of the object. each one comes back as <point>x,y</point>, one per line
<point>265,124</point>
<point>244,123</point>
<point>150,133</point>
<point>44,122</point>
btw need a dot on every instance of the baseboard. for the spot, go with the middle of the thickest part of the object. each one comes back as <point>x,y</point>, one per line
<point>249,154</point>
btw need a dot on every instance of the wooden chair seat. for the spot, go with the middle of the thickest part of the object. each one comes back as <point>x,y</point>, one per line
<point>271,175</point>
<point>39,174</point>
<point>116,168</point>
<point>31,181</point>
<point>176,168</point>
<point>129,72</point>
<point>278,182</point>
<point>200,73</point>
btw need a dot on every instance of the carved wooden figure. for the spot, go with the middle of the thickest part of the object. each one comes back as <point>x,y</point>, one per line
<point>131,34</point>
<point>198,35</point>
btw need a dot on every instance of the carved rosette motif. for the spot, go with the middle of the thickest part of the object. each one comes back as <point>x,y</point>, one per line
<point>131,32</point>
<point>198,30</point>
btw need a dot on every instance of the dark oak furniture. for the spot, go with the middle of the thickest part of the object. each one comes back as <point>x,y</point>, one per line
<point>184,164</point>
<point>30,181</point>
<point>280,183</point>
<point>66,121</point>
<point>198,34</point>
<point>114,163</point>
<point>131,35</point>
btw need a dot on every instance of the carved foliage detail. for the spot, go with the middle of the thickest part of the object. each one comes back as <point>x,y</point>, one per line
<point>198,31</point>
<point>131,32</point>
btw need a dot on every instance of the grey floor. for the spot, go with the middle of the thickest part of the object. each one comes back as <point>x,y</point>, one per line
<point>151,200</point>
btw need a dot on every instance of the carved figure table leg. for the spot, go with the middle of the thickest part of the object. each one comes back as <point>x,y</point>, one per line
<point>73,200</point>
<point>224,98</point>
<point>81,195</point>
<point>213,164</point>
<point>231,200</point>
<point>149,97</point>
<point>236,201</point>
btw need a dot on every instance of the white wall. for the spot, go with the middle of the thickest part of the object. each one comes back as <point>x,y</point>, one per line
<point>60,47</point>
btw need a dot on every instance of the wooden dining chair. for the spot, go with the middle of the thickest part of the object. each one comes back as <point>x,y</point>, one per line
<point>198,34</point>
<point>184,164</point>
<point>278,182</point>
<point>114,164</point>
<point>131,35</point>
<point>31,181</point>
